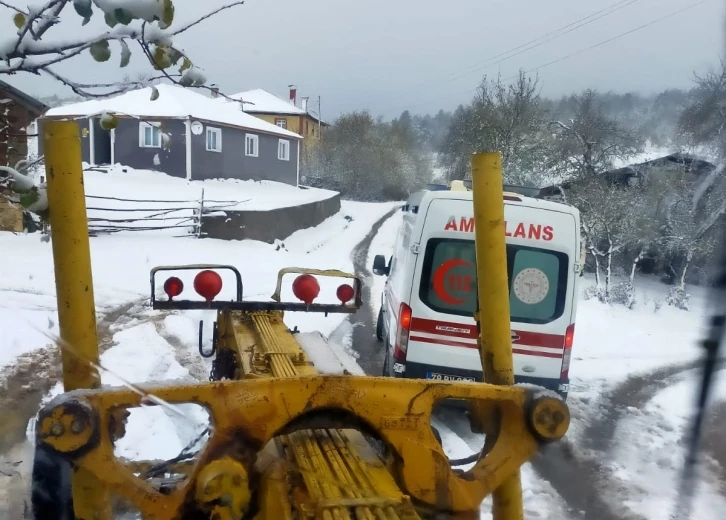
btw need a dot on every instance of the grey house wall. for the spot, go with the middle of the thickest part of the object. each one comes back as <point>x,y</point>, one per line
<point>171,161</point>
<point>232,163</point>
<point>127,150</point>
<point>85,141</point>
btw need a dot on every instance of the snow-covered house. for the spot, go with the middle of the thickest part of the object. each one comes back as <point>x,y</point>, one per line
<point>285,114</point>
<point>185,134</point>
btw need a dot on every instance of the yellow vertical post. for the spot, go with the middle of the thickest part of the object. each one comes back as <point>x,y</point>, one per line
<point>71,253</point>
<point>494,328</point>
<point>74,285</point>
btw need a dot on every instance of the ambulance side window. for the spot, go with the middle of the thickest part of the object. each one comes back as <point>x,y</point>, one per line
<point>537,280</point>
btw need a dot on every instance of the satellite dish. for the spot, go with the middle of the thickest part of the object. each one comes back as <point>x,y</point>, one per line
<point>197,128</point>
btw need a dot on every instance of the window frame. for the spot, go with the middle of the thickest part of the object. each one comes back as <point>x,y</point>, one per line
<point>562,279</point>
<point>282,120</point>
<point>286,155</point>
<point>256,139</point>
<point>143,125</point>
<point>216,131</point>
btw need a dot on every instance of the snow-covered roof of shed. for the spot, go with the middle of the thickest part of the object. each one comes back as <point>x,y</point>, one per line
<point>173,101</point>
<point>259,100</point>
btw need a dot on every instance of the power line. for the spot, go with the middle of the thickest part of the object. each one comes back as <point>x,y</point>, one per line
<point>674,13</point>
<point>524,47</point>
<point>670,15</point>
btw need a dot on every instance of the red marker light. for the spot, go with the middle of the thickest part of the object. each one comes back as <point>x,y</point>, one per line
<point>345,293</point>
<point>173,287</point>
<point>306,288</point>
<point>208,284</point>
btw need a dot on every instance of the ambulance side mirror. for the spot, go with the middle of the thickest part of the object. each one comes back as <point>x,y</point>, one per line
<point>379,266</point>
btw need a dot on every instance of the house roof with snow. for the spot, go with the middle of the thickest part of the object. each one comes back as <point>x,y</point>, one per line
<point>29,102</point>
<point>260,101</point>
<point>174,102</point>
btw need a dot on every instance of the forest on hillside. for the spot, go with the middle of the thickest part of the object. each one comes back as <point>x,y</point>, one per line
<point>672,223</point>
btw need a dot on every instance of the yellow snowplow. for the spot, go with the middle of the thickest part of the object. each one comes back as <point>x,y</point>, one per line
<point>285,440</point>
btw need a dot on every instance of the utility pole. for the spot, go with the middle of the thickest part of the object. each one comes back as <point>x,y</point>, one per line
<point>320,118</point>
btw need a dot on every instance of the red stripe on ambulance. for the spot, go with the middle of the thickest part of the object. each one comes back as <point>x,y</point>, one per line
<point>444,328</point>
<point>461,330</point>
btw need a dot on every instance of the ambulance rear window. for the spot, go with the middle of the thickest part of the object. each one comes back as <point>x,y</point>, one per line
<point>537,280</point>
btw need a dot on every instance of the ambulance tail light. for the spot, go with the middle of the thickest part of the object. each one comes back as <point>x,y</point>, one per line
<point>402,332</point>
<point>569,339</point>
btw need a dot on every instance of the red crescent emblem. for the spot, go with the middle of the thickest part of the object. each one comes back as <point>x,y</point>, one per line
<point>440,277</point>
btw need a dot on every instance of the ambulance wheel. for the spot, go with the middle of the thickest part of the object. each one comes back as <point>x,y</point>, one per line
<point>51,496</point>
<point>379,326</point>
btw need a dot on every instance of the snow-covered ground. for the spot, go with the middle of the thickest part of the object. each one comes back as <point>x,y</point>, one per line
<point>127,183</point>
<point>612,346</point>
<point>121,265</point>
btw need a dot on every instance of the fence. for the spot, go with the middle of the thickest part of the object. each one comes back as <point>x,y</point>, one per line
<point>115,214</point>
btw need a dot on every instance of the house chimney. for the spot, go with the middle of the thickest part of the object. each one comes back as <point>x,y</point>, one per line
<point>304,102</point>
<point>293,94</point>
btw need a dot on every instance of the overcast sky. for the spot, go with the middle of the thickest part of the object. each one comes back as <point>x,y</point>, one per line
<point>423,55</point>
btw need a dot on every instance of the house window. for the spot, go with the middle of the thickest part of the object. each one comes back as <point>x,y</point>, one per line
<point>214,139</point>
<point>149,135</point>
<point>282,123</point>
<point>283,150</point>
<point>252,145</point>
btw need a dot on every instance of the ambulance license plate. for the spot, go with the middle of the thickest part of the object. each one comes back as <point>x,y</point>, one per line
<point>447,377</point>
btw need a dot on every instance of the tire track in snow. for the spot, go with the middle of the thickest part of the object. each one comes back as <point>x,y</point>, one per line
<point>23,385</point>
<point>363,322</point>
<point>583,479</point>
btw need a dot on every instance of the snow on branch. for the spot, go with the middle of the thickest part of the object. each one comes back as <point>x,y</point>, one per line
<point>146,23</point>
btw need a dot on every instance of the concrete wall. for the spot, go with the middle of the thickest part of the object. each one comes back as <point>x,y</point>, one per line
<point>267,226</point>
<point>232,163</point>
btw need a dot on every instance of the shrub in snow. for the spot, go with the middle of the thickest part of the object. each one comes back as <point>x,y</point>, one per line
<point>678,297</point>
<point>589,292</point>
<point>623,294</point>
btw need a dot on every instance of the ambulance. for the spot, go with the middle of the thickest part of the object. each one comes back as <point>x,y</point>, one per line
<point>426,319</point>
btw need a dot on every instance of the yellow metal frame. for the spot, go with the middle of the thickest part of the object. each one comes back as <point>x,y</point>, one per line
<point>257,410</point>
<point>281,401</point>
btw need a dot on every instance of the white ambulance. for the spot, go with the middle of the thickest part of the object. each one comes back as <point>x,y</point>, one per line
<point>426,319</point>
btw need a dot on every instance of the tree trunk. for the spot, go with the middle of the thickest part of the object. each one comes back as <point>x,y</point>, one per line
<point>682,284</point>
<point>609,273</point>
<point>636,261</point>
<point>597,267</point>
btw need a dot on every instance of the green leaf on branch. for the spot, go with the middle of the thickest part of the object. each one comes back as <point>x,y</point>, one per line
<point>186,64</point>
<point>124,16</point>
<point>19,20</point>
<point>108,121</point>
<point>28,198</point>
<point>125,54</point>
<point>84,8</point>
<point>154,93</point>
<point>110,20</point>
<point>161,58</point>
<point>174,55</point>
<point>167,15</point>
<point>101,51</point>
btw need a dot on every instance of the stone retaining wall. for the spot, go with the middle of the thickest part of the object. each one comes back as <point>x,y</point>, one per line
<point>267,226</point>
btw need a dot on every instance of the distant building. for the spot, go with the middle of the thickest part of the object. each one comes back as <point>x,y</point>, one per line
<point>633,175</point>
<point>184,134</point>
<point>18,110</point>
<point>285,114</point>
